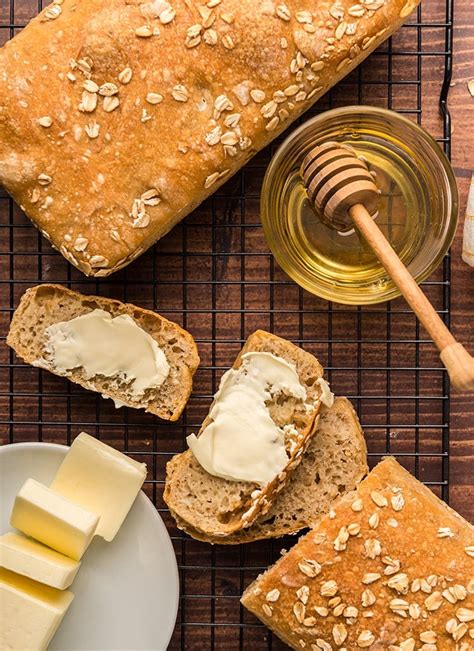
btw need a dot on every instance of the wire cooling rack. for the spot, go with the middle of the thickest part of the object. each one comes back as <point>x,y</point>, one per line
<point>214,275</point>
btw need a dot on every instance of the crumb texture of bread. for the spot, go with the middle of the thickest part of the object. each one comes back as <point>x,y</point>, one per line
<point>45,305</point>
<point>205,502</point>
<point>391,567</point>
<point>333,464</point>
<point>119,117</point>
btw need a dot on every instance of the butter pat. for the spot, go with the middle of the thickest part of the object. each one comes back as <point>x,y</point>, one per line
<point>102,480</point>
<point>52,519</point>
<point>243,443</point>
<point>111,347</point>
<point>36,561</point>
<point>30,612</point>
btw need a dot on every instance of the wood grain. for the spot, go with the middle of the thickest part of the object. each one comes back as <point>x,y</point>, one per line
<point>215,276</point>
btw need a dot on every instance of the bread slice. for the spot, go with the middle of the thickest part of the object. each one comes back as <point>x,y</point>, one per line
<point>44,305</point>
<point>391,568</point>
<point>217,507</point>
<point>333,464</point>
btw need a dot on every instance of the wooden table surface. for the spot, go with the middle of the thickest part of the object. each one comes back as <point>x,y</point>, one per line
<point>223,240</point>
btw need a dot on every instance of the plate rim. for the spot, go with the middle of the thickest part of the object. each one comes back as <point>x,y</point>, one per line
<point>148,504</point>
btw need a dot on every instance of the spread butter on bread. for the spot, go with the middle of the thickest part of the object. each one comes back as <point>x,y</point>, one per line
<point>127,353</point>
<point>286,406</point>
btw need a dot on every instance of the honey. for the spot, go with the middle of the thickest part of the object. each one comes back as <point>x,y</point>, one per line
<point>417,211</point>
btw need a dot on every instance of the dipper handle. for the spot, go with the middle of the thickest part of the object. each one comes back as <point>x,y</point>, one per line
<point>458,362</point>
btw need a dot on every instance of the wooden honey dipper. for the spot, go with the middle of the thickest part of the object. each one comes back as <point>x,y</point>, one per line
<point>341,187</point>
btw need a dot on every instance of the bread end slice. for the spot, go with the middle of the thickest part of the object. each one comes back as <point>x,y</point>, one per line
<point>216,507</point>
<point>393,553</point>
<point>45,305</point>
<point>333,464</point>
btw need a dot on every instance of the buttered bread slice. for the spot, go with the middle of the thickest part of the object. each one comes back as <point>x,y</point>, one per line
<point>259,425</point>
<point>334,463</point>
<point>132,355</point>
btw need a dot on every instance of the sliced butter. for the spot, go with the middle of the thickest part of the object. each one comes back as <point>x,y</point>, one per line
<point>30,612</point>
<point>110,347</point>
<point>242,442</point>
<point>102,480</point>
<point>32,559</point>
<point>52,519</point>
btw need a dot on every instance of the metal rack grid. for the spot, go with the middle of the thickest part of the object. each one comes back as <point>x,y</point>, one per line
<point>214,275</point>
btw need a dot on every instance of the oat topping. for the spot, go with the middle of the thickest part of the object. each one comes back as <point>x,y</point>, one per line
<point>257,95</point>
<point>98,261</point>
<point>273,595</point>
<point>434,601</point>
<point>89,102</point>
<point>283,12</point>
<point>125,76</point>
<point>445,532</point>
<point>111,103</point>
<point>44,179</point>
<point>45,121</point>
<point>379,499</point>
<point>144,31</point>
<point>90,86</point>
<point>341,539</point>
<point>329,588</point>
<point>92,129</point>
<point>397,502</point>
<point>108,89</point>
<point>267,610</point>
<point>399,582</point>
<point>180,93</point>
<point>365,639</point>
<point>339,633</point>
<point>322,644</point>
<point>52,12</point>
<point>309,567</point>
<point>303,594</point>
<point>370,577</point>
<point>357,505</point>
<point>353,529</point>
<point>299,611</point>
<point>465,614</point>
<point>154,98</point>
<point>211,179</point>
<point>399,607</point>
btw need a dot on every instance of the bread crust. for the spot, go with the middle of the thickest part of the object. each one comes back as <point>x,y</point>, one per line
<point>307,482</point>
<point>102,175</point>
<point>418,573</point>
<point>50,303</point>
<point>244,509</point>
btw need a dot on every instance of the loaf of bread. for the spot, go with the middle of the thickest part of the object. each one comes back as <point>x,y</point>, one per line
<point>215,507</point>
<point>118,117</point>
<point>45,305</point>
<point>334,463</point>
<point>391,567</point>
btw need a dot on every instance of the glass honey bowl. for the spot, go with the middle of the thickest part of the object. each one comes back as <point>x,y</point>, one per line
<point>417,212</point>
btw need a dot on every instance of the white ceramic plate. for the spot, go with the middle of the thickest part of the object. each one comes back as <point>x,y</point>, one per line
<point>126,591</point>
